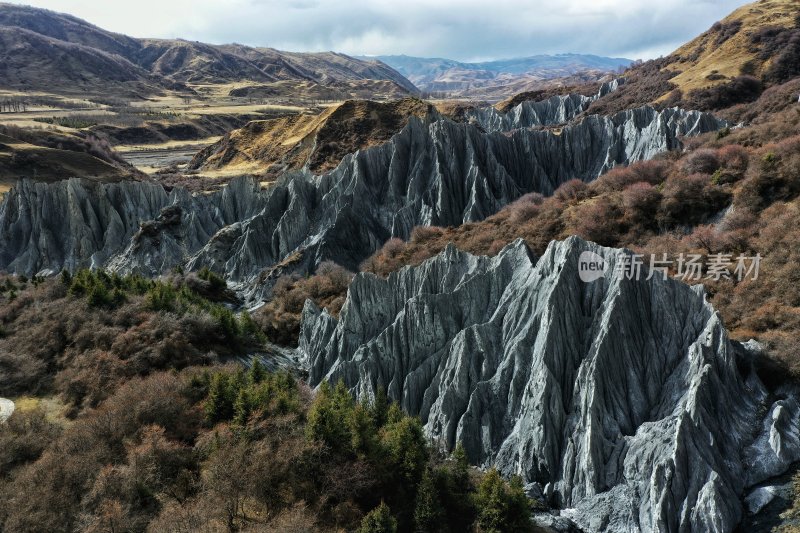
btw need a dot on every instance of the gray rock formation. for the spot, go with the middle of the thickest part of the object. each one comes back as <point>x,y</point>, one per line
<point>622,400</point>
<point>552,111</point>
<point>443,173</point>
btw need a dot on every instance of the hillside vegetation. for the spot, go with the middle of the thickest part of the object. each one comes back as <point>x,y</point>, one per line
<point>753,49</point>
<point>149,441</point>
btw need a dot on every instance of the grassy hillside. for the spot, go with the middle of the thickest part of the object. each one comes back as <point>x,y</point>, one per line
<point>754,49</point>
<point>85,158</point>
<point>745,42</point>
<point>319,141</point>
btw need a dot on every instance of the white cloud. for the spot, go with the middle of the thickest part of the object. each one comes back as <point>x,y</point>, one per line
<point>457,29</point>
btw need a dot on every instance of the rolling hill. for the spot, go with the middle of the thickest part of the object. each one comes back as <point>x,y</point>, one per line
<point>753,50</point>
<point>20,158</point>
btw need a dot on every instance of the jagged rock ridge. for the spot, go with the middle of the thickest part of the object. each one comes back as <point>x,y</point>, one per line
<point>623,400</point>
<point>551,111</point>
<point>442,173</point>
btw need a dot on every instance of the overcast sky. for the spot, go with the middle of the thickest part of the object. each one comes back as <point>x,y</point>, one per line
<point>464,29</point>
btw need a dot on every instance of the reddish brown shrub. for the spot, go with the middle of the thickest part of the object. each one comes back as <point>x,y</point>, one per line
<point>641,199</point>
<point>617,179</point>
<point>279,318</point>
<point>734,158</point>
<point>524,208</point>
<point>571,191</point>
<point>690,200</point>
<point>599,221</point>
<point>421,234</point>
<point>702,161</point>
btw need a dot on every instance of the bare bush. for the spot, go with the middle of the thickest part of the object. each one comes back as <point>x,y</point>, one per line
<point>702,161</point>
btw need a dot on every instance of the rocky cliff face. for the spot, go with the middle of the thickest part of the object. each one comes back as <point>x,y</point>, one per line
<point>442,173</point>
<point>622,401</point>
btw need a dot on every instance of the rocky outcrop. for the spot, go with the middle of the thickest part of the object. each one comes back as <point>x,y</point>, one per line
<point>443,173</point>
<point>549,112</point>
<point>622,401</point>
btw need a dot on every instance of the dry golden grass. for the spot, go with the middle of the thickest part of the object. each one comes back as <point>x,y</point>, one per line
<point>728,58</point>
<point>319,141</point>
<point>54,410</point>
<point>232,171</point>
<point>170,145</point>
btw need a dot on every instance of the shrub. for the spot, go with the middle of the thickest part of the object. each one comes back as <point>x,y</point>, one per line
<point>617,179</point>
<point>690,200</point>
<point>599,221</point>
<point>703,161</point>
<point>741,89</point>
<point>571,191</point>
<point>641,202</point>
<point>393,247</point>
<point>422,234</point>
<point>734,158</point>
<point>525,208</point>
<point>787,63</point>
<point>24,438</point>
<point>279,318</point>
<point>725,31</point>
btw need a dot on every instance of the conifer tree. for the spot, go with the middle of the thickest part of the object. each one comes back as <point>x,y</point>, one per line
<point>379,520</point>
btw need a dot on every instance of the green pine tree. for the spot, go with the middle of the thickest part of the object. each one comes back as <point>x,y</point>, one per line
<point>502,507</point>
<point>406,449</point>
<point>379,520</point>
<point>380,408</point>
<point>429,516</point>
<point>219,403</point>
<point>242,408</point>
<point>257,372</point>
<point>362,431</point>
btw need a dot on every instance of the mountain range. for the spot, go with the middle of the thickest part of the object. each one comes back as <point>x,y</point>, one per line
<point>446,75</point>
<point>43,50</point>
<point>39,46</point>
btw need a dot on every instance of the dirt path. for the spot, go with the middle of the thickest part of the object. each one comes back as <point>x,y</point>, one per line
<point>6,408</point>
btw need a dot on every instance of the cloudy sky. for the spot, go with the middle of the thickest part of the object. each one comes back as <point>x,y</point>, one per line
<point>457,29</point>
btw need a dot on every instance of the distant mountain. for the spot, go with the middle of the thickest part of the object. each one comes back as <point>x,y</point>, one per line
<point>437,74</point>
<point>44,50</point>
